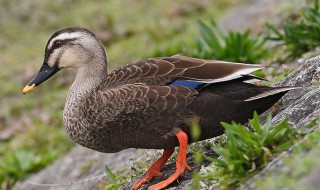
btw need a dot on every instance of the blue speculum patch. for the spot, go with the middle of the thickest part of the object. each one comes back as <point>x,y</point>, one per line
<point>189,84</point>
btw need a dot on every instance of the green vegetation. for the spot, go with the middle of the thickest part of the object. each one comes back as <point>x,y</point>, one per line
<point>213,43</point>
<point>300,35</point>
<point>302,161</point>
<point>247,151</point>
<point>122,177</point>
<point>18,164</point>
<point>294,37</point>
<point>39,148</point>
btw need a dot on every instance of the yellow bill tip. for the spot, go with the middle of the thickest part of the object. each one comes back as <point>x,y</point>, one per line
<point>28,88</point>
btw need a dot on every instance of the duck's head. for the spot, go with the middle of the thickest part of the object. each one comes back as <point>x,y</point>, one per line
<point>71,47</point>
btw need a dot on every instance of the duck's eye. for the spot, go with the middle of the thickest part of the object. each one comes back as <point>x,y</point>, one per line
<point>57,43</point>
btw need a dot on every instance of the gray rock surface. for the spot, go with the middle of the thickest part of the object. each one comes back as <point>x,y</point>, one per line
<point>80,169</point>
<point>304,104</point>
<point>300,106</point>
<point>253,14</point>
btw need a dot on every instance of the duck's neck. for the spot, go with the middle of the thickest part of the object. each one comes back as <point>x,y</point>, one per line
<point>88,78</point>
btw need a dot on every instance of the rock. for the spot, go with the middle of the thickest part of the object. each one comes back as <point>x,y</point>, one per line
<point>81,168</point>
<point>300,106</point>
<point>253,15</point>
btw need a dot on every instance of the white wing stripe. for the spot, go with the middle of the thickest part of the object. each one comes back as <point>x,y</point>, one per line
<point>270,93</point>
<point>232,76</point>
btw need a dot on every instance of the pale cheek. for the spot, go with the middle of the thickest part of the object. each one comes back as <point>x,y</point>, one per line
<point>69,59</point>
<point>52,59</point>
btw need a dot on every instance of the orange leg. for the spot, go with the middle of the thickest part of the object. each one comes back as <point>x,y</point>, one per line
<point>154,169</point>
<point>181,163</point>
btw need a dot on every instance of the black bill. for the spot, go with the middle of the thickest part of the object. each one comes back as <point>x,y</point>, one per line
<point>44,73</point>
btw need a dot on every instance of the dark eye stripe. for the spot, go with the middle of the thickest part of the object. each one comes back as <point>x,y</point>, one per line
<point>57,44</point>
<point>62,42</point>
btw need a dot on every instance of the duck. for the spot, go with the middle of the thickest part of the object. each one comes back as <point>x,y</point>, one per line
<point>149,104</point>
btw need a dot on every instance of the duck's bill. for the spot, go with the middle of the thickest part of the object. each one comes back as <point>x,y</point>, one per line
<point>44,73</point>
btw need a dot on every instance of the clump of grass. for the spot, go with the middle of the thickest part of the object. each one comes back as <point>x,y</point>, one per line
<point>300,36</point>
<point>18,164</point>
<point>213,43</point>
<point>120,178</point>
<point>40,147</point>
<point>295,168</point>
<point>247,151</point>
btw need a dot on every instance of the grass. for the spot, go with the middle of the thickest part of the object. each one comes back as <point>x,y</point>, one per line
<point>40,147</point>
<point>214,43</point>
<point>18,164</point>
<point>298,36</point>
<point>247,151</point>
<point>295,167</point>
<point>122,176</point>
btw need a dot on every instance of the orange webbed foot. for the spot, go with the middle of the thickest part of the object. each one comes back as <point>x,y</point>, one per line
<point>181,163</point>
<point>154,170</point>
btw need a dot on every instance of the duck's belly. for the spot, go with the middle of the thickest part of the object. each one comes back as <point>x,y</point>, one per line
<point>131,131</point>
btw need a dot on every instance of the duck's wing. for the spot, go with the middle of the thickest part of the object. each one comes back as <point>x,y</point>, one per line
<point>138,97</point>
<point>176,69</point>
<point>138,108</point>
